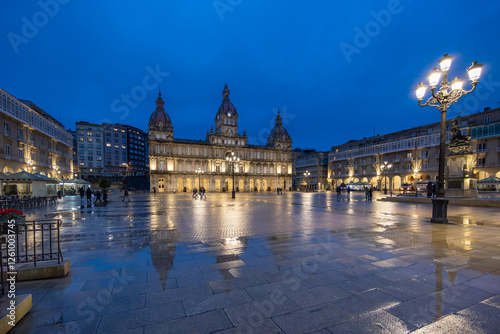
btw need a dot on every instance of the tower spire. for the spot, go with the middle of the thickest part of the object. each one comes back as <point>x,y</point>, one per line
<point>225,93</point>
<point>159,102</point>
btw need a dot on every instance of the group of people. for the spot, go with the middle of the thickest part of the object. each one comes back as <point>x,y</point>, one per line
<point>201,194</point>
<point>368,194</point>
<point>279,191</point>
<point>339,190</point>
<point>431,190</point>
<point>97,194</point>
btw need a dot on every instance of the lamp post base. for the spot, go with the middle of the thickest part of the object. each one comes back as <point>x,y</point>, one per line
<point>439,211</point>
<point>234,194</point>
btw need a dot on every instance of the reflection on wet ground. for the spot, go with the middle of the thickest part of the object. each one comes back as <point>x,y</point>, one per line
<point>296,263</point>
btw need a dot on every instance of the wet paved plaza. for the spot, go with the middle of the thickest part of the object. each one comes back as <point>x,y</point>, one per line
<point>297,263</point>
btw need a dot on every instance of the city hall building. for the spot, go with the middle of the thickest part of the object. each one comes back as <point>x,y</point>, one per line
<point>180,164</point>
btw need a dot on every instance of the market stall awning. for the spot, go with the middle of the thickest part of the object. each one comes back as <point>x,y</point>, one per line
<point>27,177</point>
<point>490,180</point>
<point>78,181</point>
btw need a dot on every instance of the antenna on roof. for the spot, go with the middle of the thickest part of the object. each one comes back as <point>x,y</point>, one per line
<point>456,116</point>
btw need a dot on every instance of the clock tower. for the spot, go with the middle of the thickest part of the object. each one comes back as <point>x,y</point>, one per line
<point>226,119</point>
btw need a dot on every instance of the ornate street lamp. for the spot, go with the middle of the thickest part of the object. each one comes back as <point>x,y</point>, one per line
<point>232,160</point>
<point>385,167</point>
<point>199,171</point>
<point>442,99</point>
<point>306,175</point>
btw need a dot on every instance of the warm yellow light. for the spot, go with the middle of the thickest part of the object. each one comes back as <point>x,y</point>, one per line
<point>434,77</point>
<point>420,90</point>
<point>457,84</point>
<point>474,71</point>
<point>445,63</point>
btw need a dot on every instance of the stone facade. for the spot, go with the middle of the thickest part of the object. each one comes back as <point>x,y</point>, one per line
<point>314,163</point>
<point>32,140</point>
<point>413,153</point>
<point>178,165</point>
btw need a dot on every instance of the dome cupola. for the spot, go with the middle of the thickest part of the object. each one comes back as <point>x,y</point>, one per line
<point>226,119</point>
<point>159,120</point>
<point>279,137</point>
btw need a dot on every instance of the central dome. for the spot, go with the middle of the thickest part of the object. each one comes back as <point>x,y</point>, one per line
<point>226,106</point>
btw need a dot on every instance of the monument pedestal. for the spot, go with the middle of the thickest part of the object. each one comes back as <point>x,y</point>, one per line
<point>460,181</point>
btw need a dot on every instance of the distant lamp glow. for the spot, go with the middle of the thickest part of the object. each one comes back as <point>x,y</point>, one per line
<point>474,71</point>
<point>420,90</point>
<point>457,84</point>
<point>434,77</point>
<point>445,63</point>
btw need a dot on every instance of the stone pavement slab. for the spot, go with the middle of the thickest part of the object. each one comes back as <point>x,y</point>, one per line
<point>301,262</point>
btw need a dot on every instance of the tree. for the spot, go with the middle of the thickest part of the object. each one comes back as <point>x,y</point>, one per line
<point>104,184</point>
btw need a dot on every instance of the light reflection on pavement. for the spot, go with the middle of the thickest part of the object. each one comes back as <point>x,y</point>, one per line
<point>213,265</point>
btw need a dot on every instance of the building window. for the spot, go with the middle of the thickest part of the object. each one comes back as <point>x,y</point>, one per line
<point>481,147</point>
<point>481,162</point>
<point>486,119</point>
<point>21,153</point>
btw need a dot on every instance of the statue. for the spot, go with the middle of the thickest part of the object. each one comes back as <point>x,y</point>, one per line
<point>457,138</point>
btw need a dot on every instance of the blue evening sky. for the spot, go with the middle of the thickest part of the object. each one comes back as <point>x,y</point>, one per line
<point>338,70</point>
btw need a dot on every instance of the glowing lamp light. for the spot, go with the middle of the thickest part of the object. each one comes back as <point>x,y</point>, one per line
<point>457,84</point>
<point>434,77</point>
<point>474,71</point>
<point>445,63</point>
<point>420,90</point>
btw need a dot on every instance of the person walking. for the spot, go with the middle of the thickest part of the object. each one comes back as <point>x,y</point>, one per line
<point>82,193</point>
<point>125,195</point>
<point>429,189</point>
<point>203,192</point>
<point>105,195</point>
<point>434,190</point>
<point>89,196</point>
<point>370,194</point>
<point>97,196</point>
<point>367,194</point>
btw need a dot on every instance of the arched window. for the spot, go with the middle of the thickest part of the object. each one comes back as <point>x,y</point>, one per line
<point>161,184</point>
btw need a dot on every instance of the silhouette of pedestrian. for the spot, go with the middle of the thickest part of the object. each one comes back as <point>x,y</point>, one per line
<point>125,195</point>
<point>97,196</point>
<point>89,196</point>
